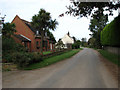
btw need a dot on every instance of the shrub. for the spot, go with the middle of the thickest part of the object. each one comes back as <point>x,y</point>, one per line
<point>35,57</point>
<point>21,59</point>
<point>24,59</point>
<point>7,58</point>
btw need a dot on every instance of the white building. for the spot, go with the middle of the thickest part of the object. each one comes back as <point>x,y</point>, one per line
<point>67,41</point>
<point>119,11</point>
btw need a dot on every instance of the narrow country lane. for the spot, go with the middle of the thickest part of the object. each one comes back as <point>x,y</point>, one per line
<point>84,70</point>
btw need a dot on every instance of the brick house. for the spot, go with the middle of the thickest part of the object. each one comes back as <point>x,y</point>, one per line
<point>29,37</point>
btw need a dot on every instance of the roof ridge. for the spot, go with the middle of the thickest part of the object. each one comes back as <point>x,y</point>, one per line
<point>25,21</point>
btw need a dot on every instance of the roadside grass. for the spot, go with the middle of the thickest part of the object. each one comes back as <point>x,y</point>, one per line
<point>95,48</point>
<point>110,56</point>
<point>53,59</point>
<point>80,48</point>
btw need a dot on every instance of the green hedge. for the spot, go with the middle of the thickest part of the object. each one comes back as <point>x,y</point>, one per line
<point>24,59</point>
<point>111,33</point>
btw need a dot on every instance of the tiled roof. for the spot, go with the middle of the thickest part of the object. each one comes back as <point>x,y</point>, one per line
<point>29,25</point>
<point>32,29</point>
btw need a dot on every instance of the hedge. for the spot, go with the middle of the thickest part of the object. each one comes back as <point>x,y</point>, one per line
<point>110,35</point>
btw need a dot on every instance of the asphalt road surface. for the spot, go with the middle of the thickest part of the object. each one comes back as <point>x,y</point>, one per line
<point>84,70</point>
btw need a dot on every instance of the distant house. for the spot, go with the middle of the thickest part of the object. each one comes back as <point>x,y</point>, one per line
<point>67,41</point>
<point>29,37</point>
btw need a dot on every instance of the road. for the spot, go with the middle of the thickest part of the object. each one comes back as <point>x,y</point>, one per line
<point>84,70</point>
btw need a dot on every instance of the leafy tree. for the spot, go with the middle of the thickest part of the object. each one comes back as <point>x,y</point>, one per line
<point>85,9</point>
<point>74,39</point>
<point>9,46</point>
<point>8,30</point>
<point>52,38</point>
<point>42,22</point>
<point>83,40</point>
<point>76,44</point>
<point>96,27</point>
<point>96,11</point>
<point>60,44</point>
<point>91,42</point>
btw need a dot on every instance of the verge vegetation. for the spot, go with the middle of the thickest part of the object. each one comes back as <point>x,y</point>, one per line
<point>110,56</point>
<point>53,59</point>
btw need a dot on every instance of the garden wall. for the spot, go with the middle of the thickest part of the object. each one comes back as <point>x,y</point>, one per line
<point>115,50</point>
<point>55,53</point>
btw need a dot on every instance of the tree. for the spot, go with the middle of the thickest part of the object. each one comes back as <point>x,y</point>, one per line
<point>91,42</point>
<point>51,36</point>
<point>96,27</point>
<point>83,41</point>
<point>8,30</point>
<point>42,22</point>
<point>60,44</point>
<point>76,44</point>
<point>96,11</point>
<point>85,9</point>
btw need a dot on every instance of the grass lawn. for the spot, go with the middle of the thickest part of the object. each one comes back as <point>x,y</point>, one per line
<point>46,52</point>
<point>111,57</point>
<point>52,60</point>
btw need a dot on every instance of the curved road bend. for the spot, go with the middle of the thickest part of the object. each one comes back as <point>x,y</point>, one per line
<point>84,70</point>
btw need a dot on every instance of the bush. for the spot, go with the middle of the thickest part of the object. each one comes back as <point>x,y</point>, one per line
<point>76,45</point>
<point>35,57</point>
<point>21,59</point>
<point>110,34</point>
<point>9,48</point>
<point>25,59</point>
<point>7,58</point>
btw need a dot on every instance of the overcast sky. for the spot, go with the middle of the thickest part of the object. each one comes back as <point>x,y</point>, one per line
<point>25,9</point>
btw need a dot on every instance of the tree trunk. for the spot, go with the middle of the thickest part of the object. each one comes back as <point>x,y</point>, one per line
<point>42,37</point>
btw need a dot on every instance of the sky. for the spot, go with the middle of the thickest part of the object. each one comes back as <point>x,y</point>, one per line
<point>25,9</point>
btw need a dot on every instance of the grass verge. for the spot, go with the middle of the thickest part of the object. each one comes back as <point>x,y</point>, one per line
<point>110,56</point>
<point>52,60</point>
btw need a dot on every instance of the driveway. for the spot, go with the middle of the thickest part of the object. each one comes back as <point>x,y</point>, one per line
<point>84,70</point>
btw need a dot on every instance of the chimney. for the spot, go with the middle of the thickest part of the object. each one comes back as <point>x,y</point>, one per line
<point>68,33</point>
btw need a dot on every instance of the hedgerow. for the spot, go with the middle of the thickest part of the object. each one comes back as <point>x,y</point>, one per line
<point>111,33</point>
